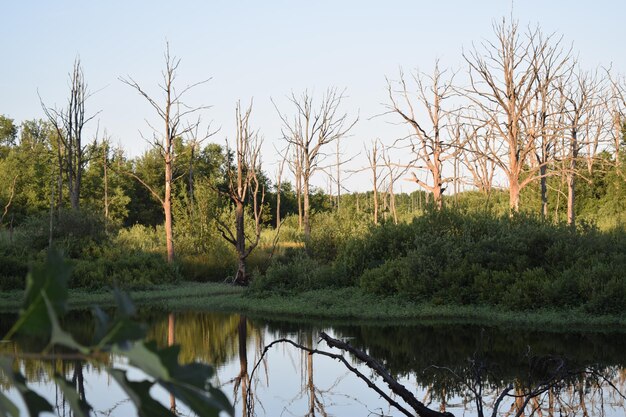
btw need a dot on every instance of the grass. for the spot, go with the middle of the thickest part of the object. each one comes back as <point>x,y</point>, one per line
<point>346,304</point>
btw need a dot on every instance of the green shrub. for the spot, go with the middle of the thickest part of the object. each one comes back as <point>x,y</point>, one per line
<point>298,273</point>
<point>517,263</point>
<point>73,232</point>
<point>125,270</point>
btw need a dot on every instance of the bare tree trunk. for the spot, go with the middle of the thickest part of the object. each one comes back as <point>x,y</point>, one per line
<point>105,164</point>
<point>544,191</point>
<point>51,220</point>
<point>299,196</point>
<point>338,174</point>
<point>514,191</point>
<point>373,157</point>
<point>241,277</point>
<point>279,189</point>
<point>571,192</point>
<point>306,206</point>
<point>167,209</point>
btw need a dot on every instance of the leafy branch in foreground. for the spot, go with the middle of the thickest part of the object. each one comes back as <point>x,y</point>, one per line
<point>46,301</point>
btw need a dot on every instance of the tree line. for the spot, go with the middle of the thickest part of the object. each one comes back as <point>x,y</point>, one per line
<point>523,116</point>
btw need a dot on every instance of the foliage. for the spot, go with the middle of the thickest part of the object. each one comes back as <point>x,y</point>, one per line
<point>518,263</point>
<point>46,301</point>
<point>294,272</point>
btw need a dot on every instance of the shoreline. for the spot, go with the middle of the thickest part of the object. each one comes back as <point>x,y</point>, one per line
<point>330,305</point>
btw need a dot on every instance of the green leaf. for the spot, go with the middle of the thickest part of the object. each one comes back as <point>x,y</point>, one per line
<point>49,279</point>
<point>79,406</point>
<point>7,408</point>
<point>35,403</point>
<point>58,335</point>
<point>189,383</point>
<point>139,394</point>
<point>125,306</point>
<point>122,329</point>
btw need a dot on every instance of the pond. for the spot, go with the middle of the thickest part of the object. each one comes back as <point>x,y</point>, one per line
<point>445,366</point>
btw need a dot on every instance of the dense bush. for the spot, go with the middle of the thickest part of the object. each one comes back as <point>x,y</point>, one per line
<point>517,263</point>
<point>294,272</point>
<point>128,269</point>
<point>73,232</point>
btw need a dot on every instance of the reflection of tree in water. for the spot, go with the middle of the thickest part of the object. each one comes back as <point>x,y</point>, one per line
<point>171,340</point>
<point>243,383</point>
<point>208,337</point>
<point>520,373</point>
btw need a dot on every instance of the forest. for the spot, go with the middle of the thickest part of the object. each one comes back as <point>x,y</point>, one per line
<point>518,160</point>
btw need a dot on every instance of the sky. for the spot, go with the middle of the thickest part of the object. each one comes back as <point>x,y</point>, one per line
<point>265,50</point>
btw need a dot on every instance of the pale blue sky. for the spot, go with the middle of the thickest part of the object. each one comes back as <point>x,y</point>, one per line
<point>264,49</point>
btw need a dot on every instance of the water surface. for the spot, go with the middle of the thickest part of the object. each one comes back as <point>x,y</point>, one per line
<point>446,366</point>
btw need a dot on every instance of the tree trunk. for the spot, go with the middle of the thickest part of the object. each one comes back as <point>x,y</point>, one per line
<point>514,190</point>
<point>392,205</point>
<point>167,209</point>
<point>299,198</point>
<point>278,203</point>
<point>544,192</point>
<point>375,203</point>
<point>241,277</point>
<point>571,193</point>
<point>437,196</point>
<point>305,219</point>
<point>106,188</point>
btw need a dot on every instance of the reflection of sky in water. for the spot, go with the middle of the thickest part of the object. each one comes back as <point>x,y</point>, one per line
<point>281,388</point>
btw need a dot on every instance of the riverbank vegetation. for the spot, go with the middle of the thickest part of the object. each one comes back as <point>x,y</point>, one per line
<point>187,210</point>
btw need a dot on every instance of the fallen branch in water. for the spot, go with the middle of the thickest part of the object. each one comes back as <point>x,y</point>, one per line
<point>397,388</point>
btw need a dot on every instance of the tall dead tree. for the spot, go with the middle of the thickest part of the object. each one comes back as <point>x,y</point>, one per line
<point>244,189</point>
<point>394,173</point>
<point>279,177</point>
<point>503,87</point>
<point>423,111</point>
<point>618,112</point>
<point>580,97</point>
<point>69,123</point>
<point>543,120</point>
<point>295,162</point>
<point>373,157</point>
<point>173,113</point>
<point>312,128</point>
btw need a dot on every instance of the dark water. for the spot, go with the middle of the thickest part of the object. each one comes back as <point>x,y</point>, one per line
<point>447,367</point>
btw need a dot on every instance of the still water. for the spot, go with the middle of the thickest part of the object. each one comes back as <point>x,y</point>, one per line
<point>459,368</point>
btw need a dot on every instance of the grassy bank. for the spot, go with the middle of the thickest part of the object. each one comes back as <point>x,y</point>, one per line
<point>342,304</point>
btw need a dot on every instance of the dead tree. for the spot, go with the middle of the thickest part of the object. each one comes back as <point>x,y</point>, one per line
<point>313,127</point>
<point>618,111</point>
<point>394,173</point>
<point>244,189</point>
<point>543,121</point>
<point>173,114</point>
<point>68,124</point>
<point>279,177</point>
<point>427,140</point>
<point>503,87</point>
<point>373,157</point>
<point>295,163</point>
<point>580,97</point>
